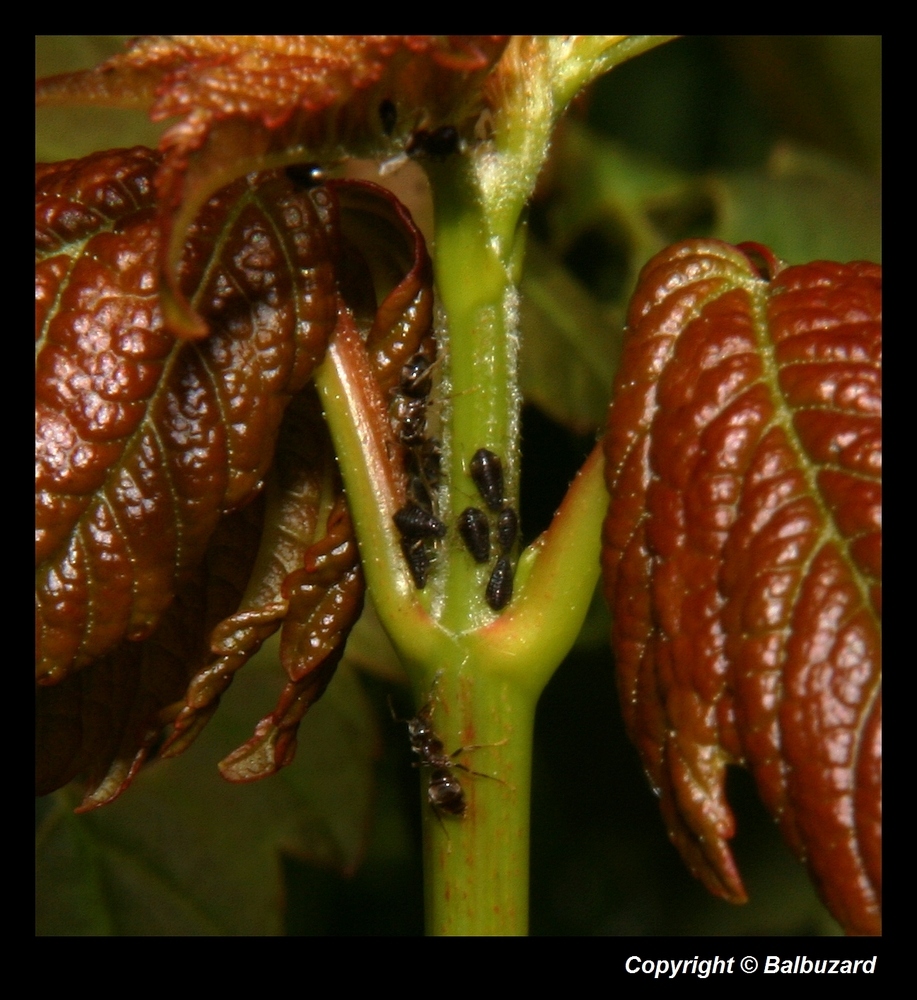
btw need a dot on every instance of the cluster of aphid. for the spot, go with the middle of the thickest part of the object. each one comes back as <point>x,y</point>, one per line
<point>416,521</point>
<point>486,471</point>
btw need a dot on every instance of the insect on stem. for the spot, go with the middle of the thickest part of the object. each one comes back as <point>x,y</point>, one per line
<point>444,792</point>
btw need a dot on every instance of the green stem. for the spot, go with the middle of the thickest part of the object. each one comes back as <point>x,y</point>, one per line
<point>482,400</point>
<point>476,868</point>
<point>480,670</point>
<point>491,667</point>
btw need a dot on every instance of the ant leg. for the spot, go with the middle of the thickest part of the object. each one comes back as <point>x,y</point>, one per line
<point>445,829</point>
<point>479,774</point>
<point>468,770</point>
<point>478,746</point>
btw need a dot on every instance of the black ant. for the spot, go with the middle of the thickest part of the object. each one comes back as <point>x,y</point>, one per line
<point>416,376</point>
<point>444,792</point>
<point>437,144</point>
<point>411,420</point>
<point>425,461</point>
<point>410,403</point>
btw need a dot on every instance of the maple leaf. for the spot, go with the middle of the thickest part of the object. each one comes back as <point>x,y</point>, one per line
<point>742,556</point>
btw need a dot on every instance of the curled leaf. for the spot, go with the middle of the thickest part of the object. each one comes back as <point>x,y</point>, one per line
<point>742,556</point>
<point>306,577</point>
<point>188,502</point>
<point>142,441</point>
<point>325,600</point>
<point>101,722</point>
<point>252,102</point>
<point>311,582</point>
<point>391,249</point>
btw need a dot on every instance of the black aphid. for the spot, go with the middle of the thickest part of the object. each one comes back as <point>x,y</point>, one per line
<point>507,528</point>
<point>418,559</point>
<point>388,116</point>
<point>414,522</point>
<point>475,531</point>
<point>487,472</point>
<point>500,585</point>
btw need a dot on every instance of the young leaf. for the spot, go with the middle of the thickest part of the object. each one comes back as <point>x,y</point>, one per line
<point>143,441</point>
<point>188,853</point>
<point>306,577</point>
<point>187,493</point>
<point>742,556</point>
<point>251,102</point>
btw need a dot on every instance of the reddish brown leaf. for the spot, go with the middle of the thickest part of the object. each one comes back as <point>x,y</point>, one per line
<point>263,264</point>
<point>252,102</point>
<point>143,444</point>
<point>143,441</point>
<point>102,721</point>
<point>319,595</point>
<point>742,556</point>
<point>391,247</point>
<point>306,577</point>
<point>325,598</point>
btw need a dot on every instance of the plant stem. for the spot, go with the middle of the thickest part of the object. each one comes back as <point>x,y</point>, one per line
<point>476,868</point>
<point>481,670</point>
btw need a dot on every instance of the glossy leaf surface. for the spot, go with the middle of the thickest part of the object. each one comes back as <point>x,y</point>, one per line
<point>141,443</point>
<point>742,556</point>
<point>187,498</point>
<point>250,102</point>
